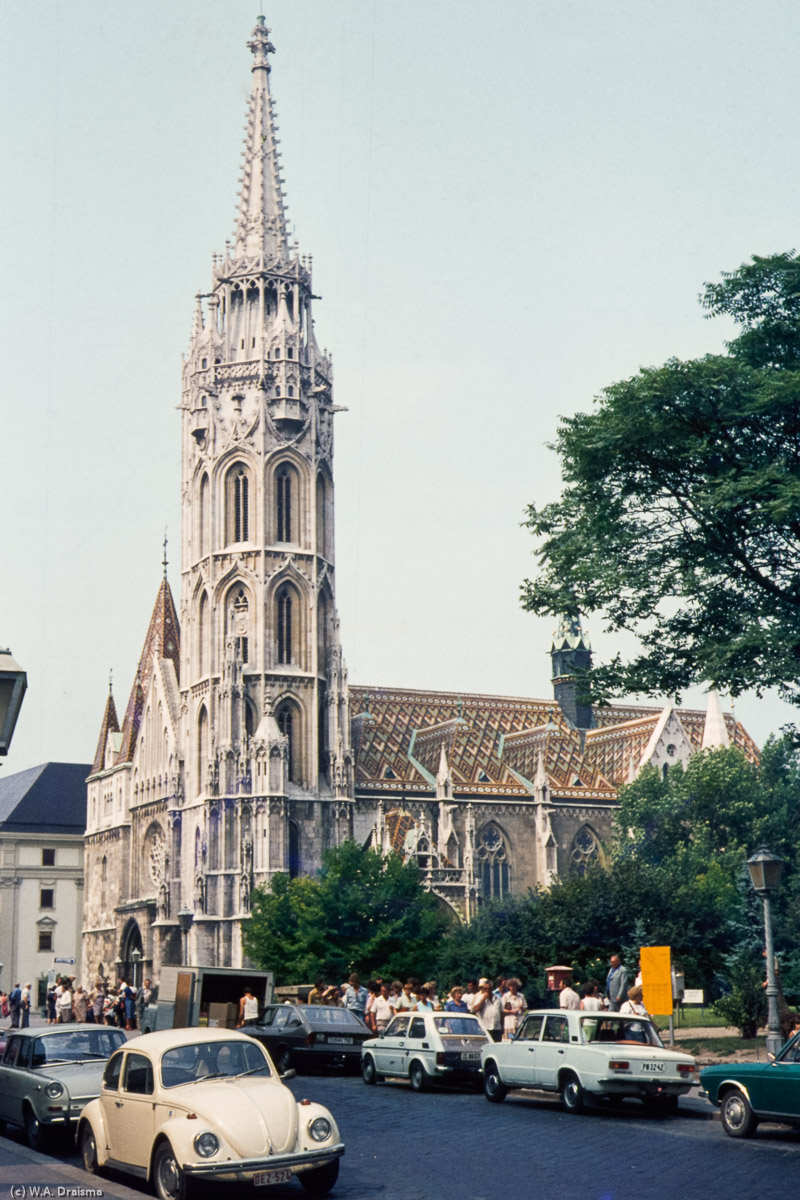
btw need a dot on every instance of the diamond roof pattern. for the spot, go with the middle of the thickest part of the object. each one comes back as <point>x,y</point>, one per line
<point>489,738</point>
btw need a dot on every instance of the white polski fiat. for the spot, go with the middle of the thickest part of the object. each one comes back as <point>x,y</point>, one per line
<point>188,1104</point>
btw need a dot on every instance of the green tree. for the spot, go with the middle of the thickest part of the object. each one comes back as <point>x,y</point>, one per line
<point>364,912</point>
<point>680,516</point>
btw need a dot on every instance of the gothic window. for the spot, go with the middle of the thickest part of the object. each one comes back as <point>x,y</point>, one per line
<point>202,637</point>
<point>214,839</point>
<point>202,749</point>
<point>204,541</point>
<point>287,723</point>
<point>238,504</point>
<point>322,632</point>
<point>493,865</point>
<point>104,883</point>
<point>241,624</point>
<point>155,854</point>
<point>323,521</point>
<point>584,851</point>
<point>285,624</point>
<point>294,850</point>
<point>284,503</point>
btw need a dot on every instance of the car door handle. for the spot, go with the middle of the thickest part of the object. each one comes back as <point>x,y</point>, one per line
<point>561,1052</point>
<point>118,1104</point>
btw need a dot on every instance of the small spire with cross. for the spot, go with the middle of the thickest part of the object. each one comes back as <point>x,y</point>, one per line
<point>164,560</point>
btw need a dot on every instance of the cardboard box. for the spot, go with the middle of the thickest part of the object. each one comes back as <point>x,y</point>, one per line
<point>224,1016</point>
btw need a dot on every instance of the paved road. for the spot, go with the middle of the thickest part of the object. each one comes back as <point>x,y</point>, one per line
<point>456,1146</point>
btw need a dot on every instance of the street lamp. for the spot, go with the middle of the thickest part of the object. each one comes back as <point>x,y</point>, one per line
<point>13,682</point>
<point>765,874</point>
<point>185,918</point>
<point>136,956</point>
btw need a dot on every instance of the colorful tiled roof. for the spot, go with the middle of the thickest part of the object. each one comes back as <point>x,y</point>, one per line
<point>493,743</point>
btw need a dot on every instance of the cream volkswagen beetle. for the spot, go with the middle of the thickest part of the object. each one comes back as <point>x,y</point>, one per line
<point>188,1104</point>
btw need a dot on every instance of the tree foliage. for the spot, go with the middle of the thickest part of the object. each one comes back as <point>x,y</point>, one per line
<point>680,516</point>
<point>364,912</point>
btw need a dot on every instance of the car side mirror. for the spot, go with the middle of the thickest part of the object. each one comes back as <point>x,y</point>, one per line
<point>771,1056</point>
<point>290,1074</point>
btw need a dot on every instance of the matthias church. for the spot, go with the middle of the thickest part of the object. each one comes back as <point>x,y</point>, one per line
<point>243,750</point>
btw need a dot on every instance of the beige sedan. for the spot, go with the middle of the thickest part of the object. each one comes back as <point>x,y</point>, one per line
<point>188,1104</point>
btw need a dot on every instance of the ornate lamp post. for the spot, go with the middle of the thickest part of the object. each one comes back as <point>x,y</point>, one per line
<point>185,919</point>
<point>765,874</point>
<point>13,682</point>
<point>136,958</point>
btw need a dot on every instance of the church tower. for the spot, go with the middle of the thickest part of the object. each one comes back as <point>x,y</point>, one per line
<point>571,656</point>
<point>268,770</point>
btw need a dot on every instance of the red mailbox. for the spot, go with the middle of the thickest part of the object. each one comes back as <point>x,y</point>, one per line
<point>556,976</point>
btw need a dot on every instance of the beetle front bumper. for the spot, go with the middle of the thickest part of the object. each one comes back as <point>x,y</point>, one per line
<point>242,1170</point>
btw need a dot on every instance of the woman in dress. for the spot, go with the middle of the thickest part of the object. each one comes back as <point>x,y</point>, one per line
<point>514,1005</point>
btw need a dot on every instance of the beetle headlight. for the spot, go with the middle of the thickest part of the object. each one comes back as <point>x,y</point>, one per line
<point>54,1089</point>
<point>320,1129</point>
<point>206,1144</point>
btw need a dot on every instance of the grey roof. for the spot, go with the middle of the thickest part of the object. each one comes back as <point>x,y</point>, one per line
<point>50,798</point>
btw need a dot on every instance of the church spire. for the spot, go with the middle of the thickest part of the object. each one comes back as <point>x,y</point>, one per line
<point>261,227</point>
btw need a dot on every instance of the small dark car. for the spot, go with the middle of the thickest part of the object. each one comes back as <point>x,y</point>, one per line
<point>305,1036</point>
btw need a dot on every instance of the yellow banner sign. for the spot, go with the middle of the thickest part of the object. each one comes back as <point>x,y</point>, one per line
<point>657,979</point>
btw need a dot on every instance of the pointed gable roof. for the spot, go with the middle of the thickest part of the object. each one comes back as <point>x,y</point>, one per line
<point>110,725</point>
<point>162,641</point>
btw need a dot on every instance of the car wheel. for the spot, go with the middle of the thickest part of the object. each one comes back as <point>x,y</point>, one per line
<point>320,1181</point>
<point>493,1087</point>
<point>169,1180</point>
<point>738,1118</point>
<point>418,1077</point>
<point>88,1149</point>
<point>35,1132</point>
<point>368,1072</point>
<point>572,1095</point>
<point>283,1060</point>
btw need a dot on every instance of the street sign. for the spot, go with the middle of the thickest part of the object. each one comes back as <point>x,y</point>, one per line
<point>656,979</point>
<point>694,996</point>
<point>71,961</point>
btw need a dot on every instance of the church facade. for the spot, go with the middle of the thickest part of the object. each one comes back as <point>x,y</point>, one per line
<point>243,751</point>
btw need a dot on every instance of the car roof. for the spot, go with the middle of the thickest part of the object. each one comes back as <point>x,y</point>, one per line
<point>168,1039</point>
<point>55,1030</point>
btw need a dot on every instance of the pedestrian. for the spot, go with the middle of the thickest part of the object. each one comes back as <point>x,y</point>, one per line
<point>144,995</point>
<point>592,1001</point>
<point>25,1007</point>
<point>488,1009</point>
<point>248,1009</point>
<point>616,983</point>
<point>455,1001</point>
<point>514,1005</point>
<point>355,996</point>
<point>98,1003</point>
<point>373,991</point>
<point>423,1004</point>
<point>80,1003</point>
<point>470,992</point>
<point>64,1004</point>
<point>3,1004</point>
<point>15,1005</point>
<point>634,1005</point>
<point>432,994</point>
<point>407,998</point>
<point>568,997</point>
<point>382,1009</point>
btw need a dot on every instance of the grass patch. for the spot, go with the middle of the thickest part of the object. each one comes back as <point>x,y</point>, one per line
<point>721,1045</point>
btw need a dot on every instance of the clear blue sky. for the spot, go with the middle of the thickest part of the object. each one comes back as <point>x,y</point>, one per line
<point>510,204</point>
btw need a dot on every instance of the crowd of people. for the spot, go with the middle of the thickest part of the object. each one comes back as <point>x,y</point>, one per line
<point>68,1001</point>
<point>499,1003</point>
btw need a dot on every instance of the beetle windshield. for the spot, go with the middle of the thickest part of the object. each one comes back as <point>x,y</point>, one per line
<point>616,1029</point>
<point>76,1046</point>
<point>212,1060</point>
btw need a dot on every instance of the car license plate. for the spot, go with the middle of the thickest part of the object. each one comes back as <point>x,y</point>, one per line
<point>470,1056</point>
<point>280,1175</point>
<point>653,1066</point>
<point>334,1041</point>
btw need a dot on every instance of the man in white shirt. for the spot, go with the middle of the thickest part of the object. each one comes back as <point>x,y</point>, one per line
<point>488,1009</point>
<point>568,997</point>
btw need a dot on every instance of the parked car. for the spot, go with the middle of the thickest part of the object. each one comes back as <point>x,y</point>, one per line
<point>48,1075</point>
<point>580,1054</point>
<point>310,1035</point>
<point>426,1047</point>
<point>187,1104</point>
<point>747,1093</point>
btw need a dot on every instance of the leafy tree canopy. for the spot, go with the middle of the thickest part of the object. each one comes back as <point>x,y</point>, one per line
<point>680,516</point>
<point>364,912</point>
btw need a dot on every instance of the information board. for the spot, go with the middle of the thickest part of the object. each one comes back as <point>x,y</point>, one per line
<point>657,979</point>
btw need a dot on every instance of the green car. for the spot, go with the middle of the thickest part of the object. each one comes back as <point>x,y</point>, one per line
<point>747,1093</point>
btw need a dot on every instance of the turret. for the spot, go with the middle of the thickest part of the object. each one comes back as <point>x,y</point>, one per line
<point>571,655</point>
